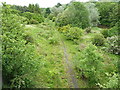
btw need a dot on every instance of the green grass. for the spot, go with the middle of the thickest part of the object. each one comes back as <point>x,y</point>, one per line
<point>110,60</point>
<point>52,73</point>
<point>49,48</point>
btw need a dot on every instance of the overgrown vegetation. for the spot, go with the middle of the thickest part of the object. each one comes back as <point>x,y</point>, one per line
<point>98,40</point>
<point>37,43</point>
<point>19,59</point>
<point>73,14</point>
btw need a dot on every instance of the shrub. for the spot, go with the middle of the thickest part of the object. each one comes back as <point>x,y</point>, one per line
<point>113,31</point>
<point>113,45</point>
<point>53,19</point>
<point>18,59</point>
<point>112,82</point>
<point>89,64</point>
<point>71,33</point>
<point>64,28</point>
<point>33,17</point>
<point>98,40</point>
<point>88,30</point>
<point>110,32</point>
<point>28,39</point>
<point>53,40</point>
<point>38,17</point>
<point>51,16</point>
<point>105,33</point>
<point>33,21</point>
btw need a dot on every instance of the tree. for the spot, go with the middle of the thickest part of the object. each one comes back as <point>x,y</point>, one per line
<point>93,14</point>
<point>114,15</point>
<point>18,58</point>
<point>58,5</point>
<point>76,15</point>
<point>56,10</point>
<point>47,12</point>
<point>34,8</point>
<point>108,13</point>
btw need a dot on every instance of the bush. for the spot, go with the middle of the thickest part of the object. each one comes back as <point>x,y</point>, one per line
<point>28,39</point>
<point>98,40</point>
<point>112,82</point>
<point>33,17</point>
<point>113,45</point>
<point>71,33</point>
<point>110,32</point>
<point>53,40</point>
<point>89,64</point>
<point>88,30</point>
<point>33,21</point>
<point>18,59</point>
<point>64,28</point>
<point>51,16</point>
<point>38,17</point>
<point>113,31</point>
<point>53,19</point>
<point>105,33</point>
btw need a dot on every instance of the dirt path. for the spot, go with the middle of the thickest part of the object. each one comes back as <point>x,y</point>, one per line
<point>70,74</point>
<point>69,68</point>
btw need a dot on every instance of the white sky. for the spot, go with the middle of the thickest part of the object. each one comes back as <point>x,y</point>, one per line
<point>42,3</point>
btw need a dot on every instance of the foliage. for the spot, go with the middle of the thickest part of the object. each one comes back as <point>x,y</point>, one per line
<point>71,33</point>
<point>98,40</point>
<point>113,45</point>
<point>58,5</point>
<point>33,18</point>
<point>53,40</point>
<point>34,8</point>
<point>55,11</point>
<point>51,16</point>
<point>113,31</point>
<point>110,32</point>
<point>89,64</point>
<point>108,13</point>
<point>31,12</point>
<point>32,54</point>
<point>47,12</point>
<point>19,61</point>
<point>93,14</point>
<point>114,15</point>
<point>105,33</point>
<point>112,81</point>
<point>28,39</point>
<point>21,9</point>
<point>64,28</point>
<point>74,16</point>
<point>88,30</point>
<point>33,21</point>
